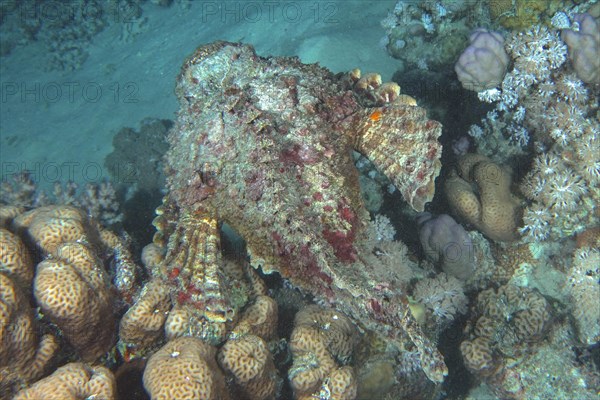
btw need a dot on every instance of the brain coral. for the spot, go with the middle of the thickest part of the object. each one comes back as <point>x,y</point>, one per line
<point>24,356</point>
<point>250,362</point>
<point>143,323</point>
<point>184,368</point>
<point>74,381</point>
<point>15,258</point>
<point>73,291</point>
<point>322,341</point>
<point>478,192</point>
<point>507,325</point>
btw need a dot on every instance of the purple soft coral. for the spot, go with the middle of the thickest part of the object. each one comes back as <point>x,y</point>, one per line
<point>446,242</point>
<point>583,48</point>
<point>483,63</point>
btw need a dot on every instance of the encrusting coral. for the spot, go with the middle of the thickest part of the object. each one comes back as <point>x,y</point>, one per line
<point>185,368</point>
<point>479,193</point>
<point>74,381</point>
<point>506,325</point>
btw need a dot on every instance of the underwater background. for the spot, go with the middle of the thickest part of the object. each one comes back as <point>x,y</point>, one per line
<point>299,199</point>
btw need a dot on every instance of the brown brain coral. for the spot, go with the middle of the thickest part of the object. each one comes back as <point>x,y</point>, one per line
<point>250,362</point>
<point>478,356</point>
<point>73,291</point>
<point>8,213</point>
<point>338,332</point>
<point>259,319</point>
<point>341,384</point>
<point>479,193</point>
<point>143,323</point>
<point>312,360</point>
<point>184,368</point>
<point>15,259</point>
<point>74,381</point>
<point>24,357</point>
<point>322,341</point>
<point>50,226</point>
<point>507,325</point>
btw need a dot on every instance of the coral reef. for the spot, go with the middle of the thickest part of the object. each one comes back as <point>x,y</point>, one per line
<point>69,287</point>
<point>545,113</point>
<point>98,200</point>
<point>478,192</point>
<point>543,105</point>
<point>72,382</point>
<point>428,34</point>
<point>299,124</point>
<point>137,158</point>
<point>292,158</point>
<point>483,63</point>
<point>185,368</point>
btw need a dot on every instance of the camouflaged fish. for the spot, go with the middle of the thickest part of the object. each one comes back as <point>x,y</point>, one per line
<point>265,145</point>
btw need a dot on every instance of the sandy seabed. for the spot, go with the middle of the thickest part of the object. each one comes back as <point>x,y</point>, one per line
<point>59,125</point>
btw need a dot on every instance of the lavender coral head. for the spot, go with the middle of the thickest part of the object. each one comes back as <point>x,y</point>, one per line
<point>483,63</point>
<point>446,242</point>
<point>584,46</point>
